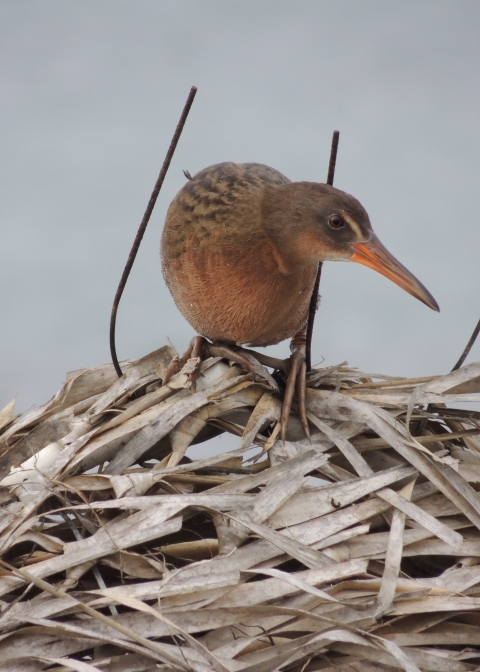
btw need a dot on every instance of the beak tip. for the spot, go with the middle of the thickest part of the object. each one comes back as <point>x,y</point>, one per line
<point>426,298</point>
<point>430,301</point>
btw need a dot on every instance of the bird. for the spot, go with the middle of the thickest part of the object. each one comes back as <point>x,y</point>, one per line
<point>240,250</point>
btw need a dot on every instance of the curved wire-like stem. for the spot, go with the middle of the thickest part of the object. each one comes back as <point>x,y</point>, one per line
<point>143,226</point>
<point>468,347</point>
<point>312,309</point>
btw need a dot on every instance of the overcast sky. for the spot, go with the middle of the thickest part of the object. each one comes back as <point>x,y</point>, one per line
<point>91,91</point>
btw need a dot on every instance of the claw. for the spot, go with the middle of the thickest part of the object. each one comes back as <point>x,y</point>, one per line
<point>195,350</point>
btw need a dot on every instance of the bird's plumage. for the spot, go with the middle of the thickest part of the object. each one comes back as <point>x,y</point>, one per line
<point>241,247</point>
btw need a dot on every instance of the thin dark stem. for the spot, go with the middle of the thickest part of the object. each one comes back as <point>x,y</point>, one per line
<point>333,157</point>
<point>468,347</point>
<point>312,309</point>
<point>143,226</point>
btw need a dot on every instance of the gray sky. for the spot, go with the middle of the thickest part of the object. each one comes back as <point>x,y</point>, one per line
<point>91,91</point>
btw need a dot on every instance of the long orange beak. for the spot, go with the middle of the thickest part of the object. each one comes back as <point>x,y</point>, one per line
<point>374,255</point>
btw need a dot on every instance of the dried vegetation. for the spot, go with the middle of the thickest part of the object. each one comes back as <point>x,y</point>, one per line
<point>358,551</point>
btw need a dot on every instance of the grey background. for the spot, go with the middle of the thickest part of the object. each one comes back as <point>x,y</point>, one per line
<point>91,91</point>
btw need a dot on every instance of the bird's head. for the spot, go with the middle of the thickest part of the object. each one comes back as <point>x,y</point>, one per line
<point>309,222</point>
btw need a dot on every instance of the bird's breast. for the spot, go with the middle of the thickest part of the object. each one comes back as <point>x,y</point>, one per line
<point>229,295</point>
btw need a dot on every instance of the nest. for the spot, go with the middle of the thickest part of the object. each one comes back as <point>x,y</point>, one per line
<point>357,551</point>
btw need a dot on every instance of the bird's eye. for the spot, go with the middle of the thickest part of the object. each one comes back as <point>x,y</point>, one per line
<point>336,222</point>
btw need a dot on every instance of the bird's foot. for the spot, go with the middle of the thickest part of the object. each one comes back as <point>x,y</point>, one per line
<point>294,368</point>
<point>199,349</point>
<point>194,353</point>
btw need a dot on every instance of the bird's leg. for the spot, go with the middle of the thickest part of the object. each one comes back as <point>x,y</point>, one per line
<point>195,350</point>
<point>233,353</point>
<point>266,360</point>
<point>296,382</point>
<point>294,367</point>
